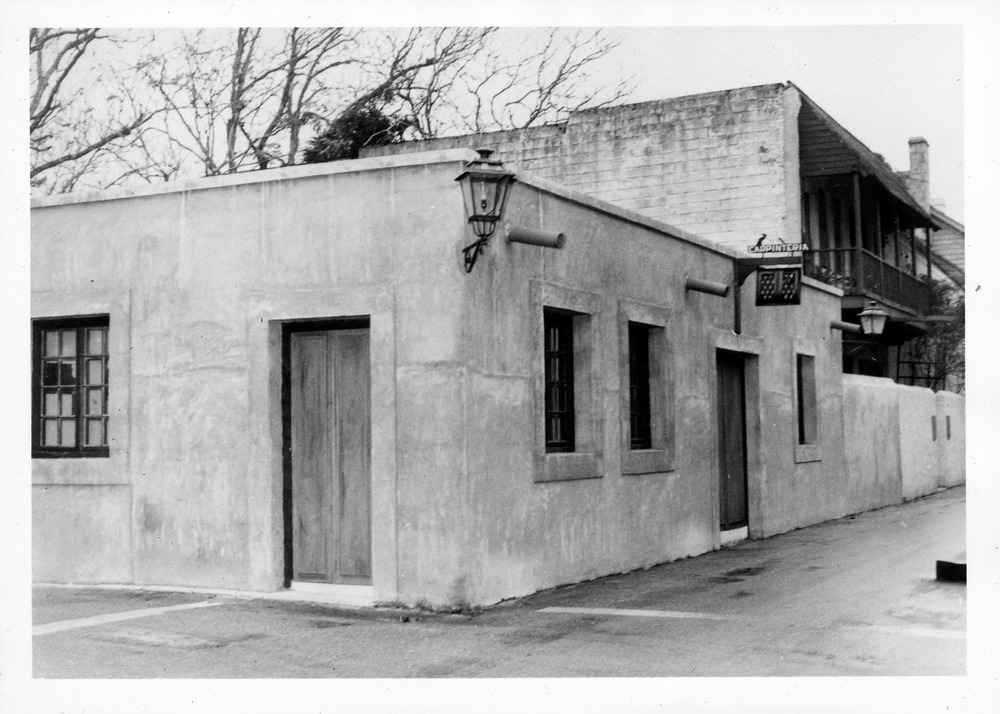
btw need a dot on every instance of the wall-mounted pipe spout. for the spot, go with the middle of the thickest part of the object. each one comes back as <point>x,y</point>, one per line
<point>534,236</point>
<point>845,327</point>
<point>706,286</point>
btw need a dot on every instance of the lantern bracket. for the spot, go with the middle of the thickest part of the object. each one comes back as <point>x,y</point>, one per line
<point>745,267</point>
<point>472,252</point>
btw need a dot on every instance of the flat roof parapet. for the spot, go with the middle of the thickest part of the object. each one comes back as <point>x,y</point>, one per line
<point>284,173</point>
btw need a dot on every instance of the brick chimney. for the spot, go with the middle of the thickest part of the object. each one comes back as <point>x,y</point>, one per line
<point>919,175</point>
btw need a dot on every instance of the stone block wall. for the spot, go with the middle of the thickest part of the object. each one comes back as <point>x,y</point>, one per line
<point>722,165</point>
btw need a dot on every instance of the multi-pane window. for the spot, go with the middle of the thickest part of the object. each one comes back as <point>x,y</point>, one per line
<point>805,368</point>
<point>639,394</point>
<point>70,387</point>
<point>558,381</point>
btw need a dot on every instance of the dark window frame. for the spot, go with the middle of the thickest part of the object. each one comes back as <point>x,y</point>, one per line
<point>805,385</point>
<point>559,380</point>
<point>79,325</point>
<point>640,387</point>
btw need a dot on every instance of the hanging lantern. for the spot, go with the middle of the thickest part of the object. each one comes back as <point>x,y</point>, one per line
<point>485,185</point>
<point>872,319</point>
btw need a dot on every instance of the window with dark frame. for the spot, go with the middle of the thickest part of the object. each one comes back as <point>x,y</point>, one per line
<point>559,422</point>
<point>806,236</point>
<point>70,387</point>
<point>805,368</point>
<point>639,396</point>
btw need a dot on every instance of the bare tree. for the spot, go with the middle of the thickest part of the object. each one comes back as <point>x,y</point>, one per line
<point>66,131</point>
<point>191,82</point>
<point>544,85</point>
<point>466,83</point>
<point>242,100</point>
<point>216,102</point>
<point>310,55</point>
<point>415,73</point>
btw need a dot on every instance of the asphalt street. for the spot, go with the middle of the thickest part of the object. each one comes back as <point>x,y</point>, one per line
<point>851,597</point>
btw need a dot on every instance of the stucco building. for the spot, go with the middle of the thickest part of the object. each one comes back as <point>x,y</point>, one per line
<point>288,378</point>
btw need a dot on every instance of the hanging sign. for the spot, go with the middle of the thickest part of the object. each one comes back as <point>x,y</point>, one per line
<point>778,248</point>
<point>782,247</point>
<point>779,286</point>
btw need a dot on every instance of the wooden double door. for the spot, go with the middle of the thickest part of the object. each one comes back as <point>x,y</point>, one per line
<point>731,390</point>
<point>330,431</point>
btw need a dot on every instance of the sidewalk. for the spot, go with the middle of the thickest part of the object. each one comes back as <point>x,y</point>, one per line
<point>856,596</point>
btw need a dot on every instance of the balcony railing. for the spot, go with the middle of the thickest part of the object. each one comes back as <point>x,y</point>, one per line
<point>868,275</point>
<point>833,267</point>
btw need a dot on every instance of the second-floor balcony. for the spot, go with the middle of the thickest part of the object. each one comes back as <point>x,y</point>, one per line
<point>866,242</point>
<point>859,272</point>
<point>867,234</point>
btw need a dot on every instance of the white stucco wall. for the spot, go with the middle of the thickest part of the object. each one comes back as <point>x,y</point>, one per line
<point>919,467</point>
<point>896,440</point>
<point>950,412</point>
<point>198,279</point>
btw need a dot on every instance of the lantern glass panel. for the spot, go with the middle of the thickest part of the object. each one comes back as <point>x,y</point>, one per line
<point>873,320</point>
<point>873,324</point>
<point>484,190</point>
<point>485,195</point>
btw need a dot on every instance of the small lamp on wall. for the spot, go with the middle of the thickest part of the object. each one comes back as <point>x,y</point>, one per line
<point>872,319</point>
<point>485,185</point>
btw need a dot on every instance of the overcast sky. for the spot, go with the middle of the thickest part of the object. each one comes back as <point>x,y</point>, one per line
<point>883,83</point>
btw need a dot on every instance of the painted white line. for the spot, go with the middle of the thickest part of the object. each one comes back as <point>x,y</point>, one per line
<point>676,614</point>
<point>64,625</point>
<point>139,636</point>
<point>916,631</point>
<point>293,594</point>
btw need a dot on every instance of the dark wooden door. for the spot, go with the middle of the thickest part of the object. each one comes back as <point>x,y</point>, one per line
<point>330,445</point>
<point>732,441</point>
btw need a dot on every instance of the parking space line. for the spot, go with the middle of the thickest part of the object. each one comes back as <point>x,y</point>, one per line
<point>96,620</point>
<point>676,614</point>
<point>916,631</point>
